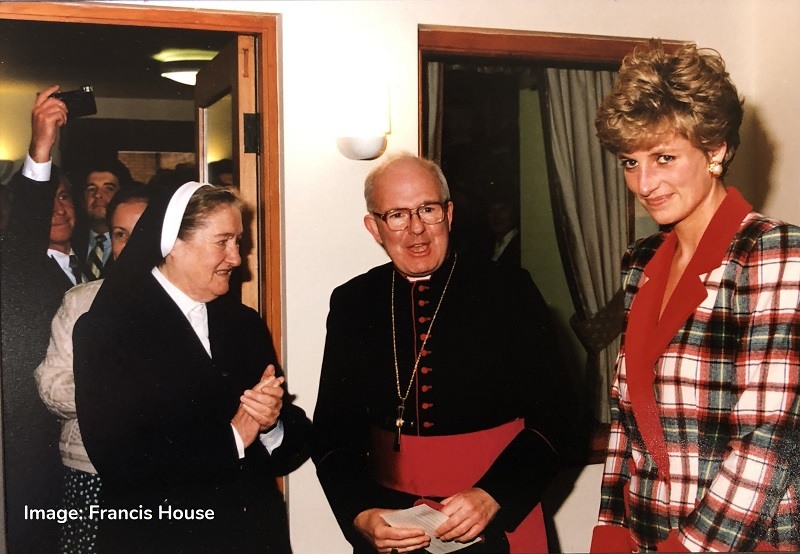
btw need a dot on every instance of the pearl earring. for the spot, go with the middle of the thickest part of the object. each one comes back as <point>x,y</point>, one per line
<point>715,168</point>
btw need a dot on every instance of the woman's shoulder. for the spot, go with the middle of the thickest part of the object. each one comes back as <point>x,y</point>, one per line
<point>232,307</point>
<point>760,231</point>
<point>82,295</point>
<point>756,222</point>
<point>235,315</point>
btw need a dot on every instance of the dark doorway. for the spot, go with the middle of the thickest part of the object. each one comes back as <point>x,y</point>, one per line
<point>138,109</point>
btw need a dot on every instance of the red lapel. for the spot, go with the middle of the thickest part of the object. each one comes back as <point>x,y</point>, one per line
<point>647,336</point>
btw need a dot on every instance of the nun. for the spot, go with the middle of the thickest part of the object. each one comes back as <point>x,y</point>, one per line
<point>182,404</point>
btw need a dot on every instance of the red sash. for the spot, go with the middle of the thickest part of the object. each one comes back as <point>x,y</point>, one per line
<point>445,465</point>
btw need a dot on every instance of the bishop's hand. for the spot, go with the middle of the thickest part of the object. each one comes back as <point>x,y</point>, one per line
<point>385,538</point>
<point>468,513</point>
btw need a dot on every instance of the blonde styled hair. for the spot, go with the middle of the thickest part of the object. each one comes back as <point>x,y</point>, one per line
<point>687,92</point>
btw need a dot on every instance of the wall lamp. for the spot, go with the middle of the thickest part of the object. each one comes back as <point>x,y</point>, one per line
<point>365,121</point>
<point>361,148</point>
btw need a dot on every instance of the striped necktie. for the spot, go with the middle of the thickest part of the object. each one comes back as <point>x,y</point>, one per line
<point>95,260</point>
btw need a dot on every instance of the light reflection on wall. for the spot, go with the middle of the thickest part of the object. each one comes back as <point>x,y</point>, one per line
<point>220,129</point>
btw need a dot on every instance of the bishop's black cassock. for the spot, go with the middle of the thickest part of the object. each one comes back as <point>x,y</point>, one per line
<point>491,359</point>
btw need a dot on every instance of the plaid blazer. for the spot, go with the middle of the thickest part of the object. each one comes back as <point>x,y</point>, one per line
<point>726,390</point>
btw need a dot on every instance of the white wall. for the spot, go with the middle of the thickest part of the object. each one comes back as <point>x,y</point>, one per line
<point>325,43</point>
<point>773,93</point>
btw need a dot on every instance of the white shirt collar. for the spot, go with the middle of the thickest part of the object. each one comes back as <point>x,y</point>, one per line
<point>500,246</point>
<point>63,262</point>
<point>185,304</point>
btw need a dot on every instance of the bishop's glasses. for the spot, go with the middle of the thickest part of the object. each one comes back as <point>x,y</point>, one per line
<point>398,219</point>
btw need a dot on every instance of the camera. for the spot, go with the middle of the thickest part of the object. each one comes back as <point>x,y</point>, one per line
<point>80,102</point>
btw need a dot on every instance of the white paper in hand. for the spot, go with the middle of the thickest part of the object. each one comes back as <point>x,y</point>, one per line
<point>427,519</point>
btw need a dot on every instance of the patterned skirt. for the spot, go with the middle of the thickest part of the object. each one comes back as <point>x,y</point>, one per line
<point>81,490</point>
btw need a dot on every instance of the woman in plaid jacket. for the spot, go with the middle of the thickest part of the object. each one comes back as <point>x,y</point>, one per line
<point>704,452</point>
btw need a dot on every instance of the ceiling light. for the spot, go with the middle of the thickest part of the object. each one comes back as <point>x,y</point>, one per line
<point>182,65</point>
<point>182,72</point>
<point>185,77</point>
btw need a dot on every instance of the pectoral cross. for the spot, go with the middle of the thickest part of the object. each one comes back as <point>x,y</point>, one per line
<point>399,424</point>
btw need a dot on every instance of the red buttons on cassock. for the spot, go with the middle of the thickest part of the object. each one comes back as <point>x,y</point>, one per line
<point>423,302</point>
<point>426,388</point>
<point>427,424</point>
<point>426,405</point>
<point>425,370</point>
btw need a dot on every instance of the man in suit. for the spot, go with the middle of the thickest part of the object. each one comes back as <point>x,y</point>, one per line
<point>104,177</point>
<point>502,215</point>
<point>38,266</point>
<point>440,380</point>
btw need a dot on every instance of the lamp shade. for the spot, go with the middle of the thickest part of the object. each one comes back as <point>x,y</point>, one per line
<point>361,148</point>
<point>363,115</point>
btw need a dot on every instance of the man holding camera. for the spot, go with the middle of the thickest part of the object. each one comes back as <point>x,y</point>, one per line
<point>38,266</point>
<point>102,177</point>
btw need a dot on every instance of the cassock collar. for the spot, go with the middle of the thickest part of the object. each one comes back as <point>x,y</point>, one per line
<point>437,278</point>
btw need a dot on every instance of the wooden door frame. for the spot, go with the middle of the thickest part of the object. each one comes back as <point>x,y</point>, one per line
<point>232,73</point>
<point>265,28</point>
<point>535,46</point>
<point>529,45</point>
<point>523,45</point>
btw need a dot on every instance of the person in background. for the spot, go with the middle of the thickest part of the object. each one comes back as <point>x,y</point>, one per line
<point>220,173</point>
<point>104,177</point>
<point>181,402</point>
<point>705,410</point>
<point>502,215</point>
<point>164,178</point>
<point>56,382</point>
<point>440,380</point>
<point>38,267</point>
